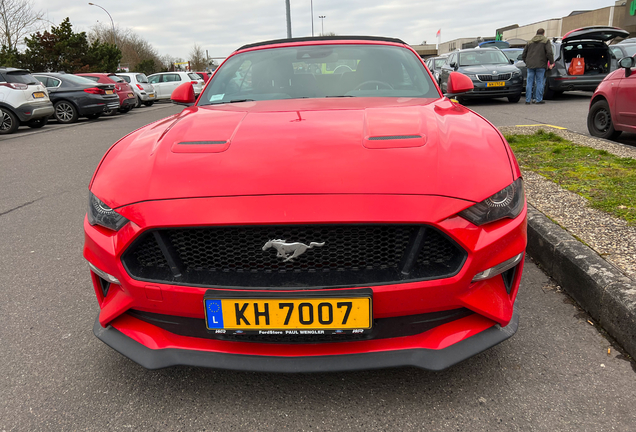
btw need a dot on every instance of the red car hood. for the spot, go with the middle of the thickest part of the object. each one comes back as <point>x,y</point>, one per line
<point>308,146</point>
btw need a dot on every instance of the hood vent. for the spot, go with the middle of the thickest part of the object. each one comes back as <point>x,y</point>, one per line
<point>200,146</point>
<point>394,137</point>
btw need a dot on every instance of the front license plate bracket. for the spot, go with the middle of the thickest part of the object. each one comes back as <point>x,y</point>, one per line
<point>303,313</point>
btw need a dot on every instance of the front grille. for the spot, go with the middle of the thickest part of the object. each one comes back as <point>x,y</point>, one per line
<point>383,328</point>
<point>352,255</point>
<point>500,77</point>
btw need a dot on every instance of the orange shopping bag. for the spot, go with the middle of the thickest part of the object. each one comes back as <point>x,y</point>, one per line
<point>577,67</point>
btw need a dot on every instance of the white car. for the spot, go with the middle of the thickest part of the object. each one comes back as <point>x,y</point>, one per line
<point>165,82</point>
<point>144,91</point>
<point>23,100</point>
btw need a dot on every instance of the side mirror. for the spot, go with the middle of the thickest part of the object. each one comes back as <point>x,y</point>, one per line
<point>183,95</point>
<point>458,83</point>
<point>511,61</point>
<point>453,65</point>
<point>628,64</point>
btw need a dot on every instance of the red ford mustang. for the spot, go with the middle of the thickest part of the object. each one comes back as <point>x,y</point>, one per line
<point>321,207</point>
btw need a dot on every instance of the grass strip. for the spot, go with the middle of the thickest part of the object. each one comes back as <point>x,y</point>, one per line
<point>607,181</point>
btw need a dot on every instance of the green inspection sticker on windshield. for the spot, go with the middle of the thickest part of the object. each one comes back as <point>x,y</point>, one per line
<point>217,97</point>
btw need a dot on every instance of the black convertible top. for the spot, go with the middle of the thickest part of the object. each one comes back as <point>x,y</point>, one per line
<point>322,38</point>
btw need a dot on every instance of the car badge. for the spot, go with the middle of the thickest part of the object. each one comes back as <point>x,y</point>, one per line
<point>494,72</point>
<point>289,251</point>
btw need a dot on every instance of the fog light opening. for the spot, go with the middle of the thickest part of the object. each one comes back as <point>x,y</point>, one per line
<point>509,277</point>
<point>104,285</point>
<point>499,269</point>
<point>102,274</point>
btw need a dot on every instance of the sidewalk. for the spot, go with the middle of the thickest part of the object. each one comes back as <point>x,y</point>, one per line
<point>591,254</point>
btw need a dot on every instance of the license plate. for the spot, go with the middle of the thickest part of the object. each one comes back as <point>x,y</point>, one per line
<point>130,95</point>
<point>496,84</point>
<point>109,92</point>
<point>290,313</point>
<point>38,95</point>
<point>151,95</point>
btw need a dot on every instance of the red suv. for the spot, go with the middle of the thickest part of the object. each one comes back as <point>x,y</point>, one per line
<point>612,108</point>
<point>126,95</point>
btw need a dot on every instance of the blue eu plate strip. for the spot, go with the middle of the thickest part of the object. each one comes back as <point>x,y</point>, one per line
<point>214,313</point>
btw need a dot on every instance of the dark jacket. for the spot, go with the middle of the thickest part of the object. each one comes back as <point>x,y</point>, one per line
<point>538,52</point>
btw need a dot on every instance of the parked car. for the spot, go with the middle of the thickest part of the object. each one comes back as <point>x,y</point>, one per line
<point>75,96</point>
<point>623,50</point>
<point>127,99</point>
<point>514,55</point>
<point>612,108</point>
<point>165,82</point>
<point>23,101</point>
<point>369,222</point>
<point>144,91</point>
<point>490,70</point>
<point>591,44</point>
<point>205,76</point>
<point>435,64</point>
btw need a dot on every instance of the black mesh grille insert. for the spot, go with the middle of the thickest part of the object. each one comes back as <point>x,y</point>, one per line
<point>500,77</point>
<point>352,255</point>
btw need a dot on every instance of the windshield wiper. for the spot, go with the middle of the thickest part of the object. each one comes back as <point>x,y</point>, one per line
<point>339,96</point>
<point>231,101</point>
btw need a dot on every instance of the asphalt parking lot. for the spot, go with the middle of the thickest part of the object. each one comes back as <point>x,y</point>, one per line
<point>559,372</point>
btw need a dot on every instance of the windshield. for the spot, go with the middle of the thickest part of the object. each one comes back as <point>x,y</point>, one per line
<point>74,79</point>
<point>320,71</point>
<point>23,77</point>
<point>439,63</point>
<point>125,78</point>
<point>513,54</point>
<point>141,78</point>
<point>629,49</point>
<point>194,76</point>
<point>481,57</point>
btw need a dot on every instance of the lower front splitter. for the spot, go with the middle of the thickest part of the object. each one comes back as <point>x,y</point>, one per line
<point>428,359</point>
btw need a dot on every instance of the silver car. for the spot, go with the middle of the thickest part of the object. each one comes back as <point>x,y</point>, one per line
<point>166,82</point>
<point>144,91</point>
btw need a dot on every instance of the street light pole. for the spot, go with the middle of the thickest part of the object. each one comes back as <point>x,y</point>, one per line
<point>288,12</point>
<point>111,21</point>
<point>312,18</point>
<point>322,23</point>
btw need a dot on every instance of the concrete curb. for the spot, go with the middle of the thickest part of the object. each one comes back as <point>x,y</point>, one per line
<point>598,287</point>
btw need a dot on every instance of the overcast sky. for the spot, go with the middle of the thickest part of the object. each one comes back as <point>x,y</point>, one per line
<point>221,26</point>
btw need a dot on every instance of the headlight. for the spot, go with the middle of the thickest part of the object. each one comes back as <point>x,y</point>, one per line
<point>506,203</point>
<point>516,73</point>
<point>100,214</point>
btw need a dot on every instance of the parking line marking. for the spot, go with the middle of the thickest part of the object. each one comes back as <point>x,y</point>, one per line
<point>546,125</point>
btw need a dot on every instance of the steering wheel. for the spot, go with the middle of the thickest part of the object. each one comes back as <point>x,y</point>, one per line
<point>382,83</point>
<point>340,69</point>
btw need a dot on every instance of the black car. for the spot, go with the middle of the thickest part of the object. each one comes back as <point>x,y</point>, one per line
<point>435,64</point>
<point>490,70</point>
<point>591,44</point>
<point>74,96</point>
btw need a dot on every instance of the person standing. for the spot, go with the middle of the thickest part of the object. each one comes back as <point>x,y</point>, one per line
<point>538,56</point>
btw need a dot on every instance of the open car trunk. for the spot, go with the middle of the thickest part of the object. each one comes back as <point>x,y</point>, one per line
<point>596,54</point>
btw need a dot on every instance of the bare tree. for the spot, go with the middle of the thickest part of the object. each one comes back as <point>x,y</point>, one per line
<point>18,19</point>
<point>198,61</point>
<point>134,48</point>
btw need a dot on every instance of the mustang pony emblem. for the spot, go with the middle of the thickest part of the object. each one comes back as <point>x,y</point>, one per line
<point>289,251</point>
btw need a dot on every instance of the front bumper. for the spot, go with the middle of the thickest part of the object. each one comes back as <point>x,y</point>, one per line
<point>489,302</point>
<point>513,87</point>
<point>429,359</point>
